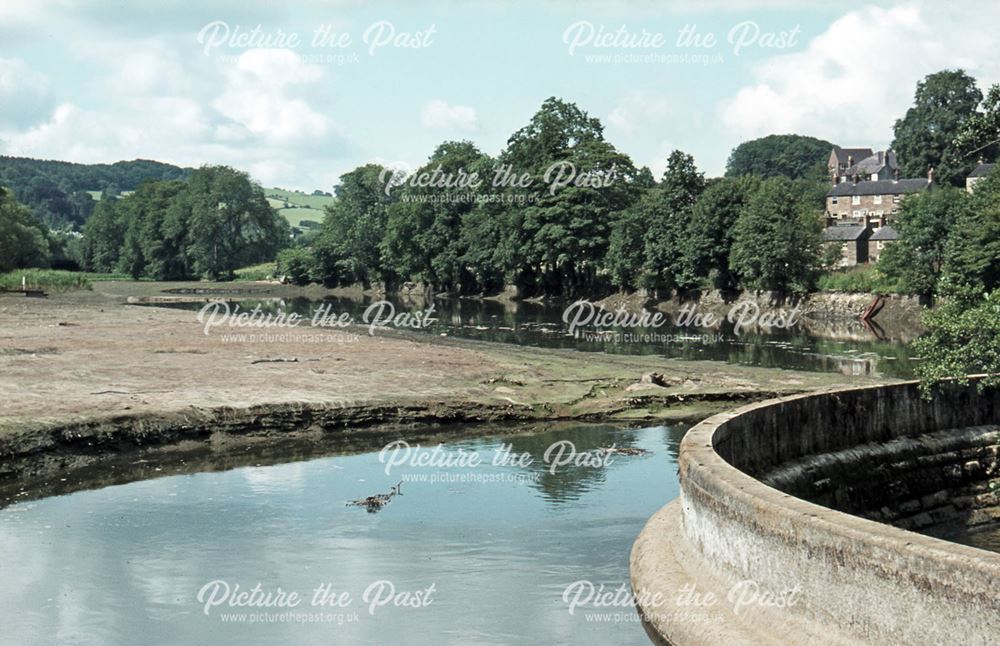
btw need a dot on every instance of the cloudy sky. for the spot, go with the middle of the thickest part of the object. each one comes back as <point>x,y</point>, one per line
<point>323,86</point>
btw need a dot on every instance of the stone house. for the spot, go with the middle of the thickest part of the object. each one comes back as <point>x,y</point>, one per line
<point>863,202</point>
<point>981,171</point>
<point>852,240</point>
<point>843,158</point>
<point>874,167</point>
<point>879,199</point>
<point>880,238</point>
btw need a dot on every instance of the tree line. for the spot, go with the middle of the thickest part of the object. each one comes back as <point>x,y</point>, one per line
<point>57,194</point>
<point>620,229</point>
<point>207,227</point>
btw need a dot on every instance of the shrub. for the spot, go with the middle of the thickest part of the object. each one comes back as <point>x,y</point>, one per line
<point>299,265</point>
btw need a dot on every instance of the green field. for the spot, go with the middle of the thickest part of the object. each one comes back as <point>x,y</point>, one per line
<point>301,206</point>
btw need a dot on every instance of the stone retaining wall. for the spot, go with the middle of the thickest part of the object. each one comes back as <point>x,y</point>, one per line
<point>856,580</point>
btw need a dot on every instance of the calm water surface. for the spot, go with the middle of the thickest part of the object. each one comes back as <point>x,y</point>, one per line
<point>846,347</point>
<point>500,544</point>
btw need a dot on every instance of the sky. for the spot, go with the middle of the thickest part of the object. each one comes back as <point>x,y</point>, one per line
<point>299,93</point>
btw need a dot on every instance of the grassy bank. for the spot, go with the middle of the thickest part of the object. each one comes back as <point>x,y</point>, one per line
<point>47,279</point>
<point>865,279</point>
<point>263,271</point>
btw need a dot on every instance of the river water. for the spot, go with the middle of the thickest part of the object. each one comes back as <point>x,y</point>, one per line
<point>509,550</point>
<point>468,554</point>
<point>846,347</point>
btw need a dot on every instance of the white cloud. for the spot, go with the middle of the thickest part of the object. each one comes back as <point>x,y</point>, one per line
<point>256,96</point>
<point>440,115</point>
<point>855,79</point>
<point>24,94</point>
<point>639,111</point>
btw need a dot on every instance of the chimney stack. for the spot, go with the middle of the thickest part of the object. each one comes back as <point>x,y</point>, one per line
<point>930,175</point>
<point>895,175</point>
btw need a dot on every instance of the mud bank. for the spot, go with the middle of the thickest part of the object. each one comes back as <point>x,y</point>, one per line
<point>85,374</point>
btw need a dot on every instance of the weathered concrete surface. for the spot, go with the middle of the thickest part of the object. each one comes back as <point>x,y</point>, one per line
<point>857,581</point>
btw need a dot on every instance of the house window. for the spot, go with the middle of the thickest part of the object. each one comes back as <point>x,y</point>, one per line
<point>857,213</point>
<point>833,200</point>
<point>878,199</point>
<point>879,245</point>
<point>855,200</point>
<point>895,199</point>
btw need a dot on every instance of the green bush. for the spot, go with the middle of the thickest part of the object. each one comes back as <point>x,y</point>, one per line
<point>263,271</point>
<point>48,279</point>
<point>298,264</point>
<point>863,279</point>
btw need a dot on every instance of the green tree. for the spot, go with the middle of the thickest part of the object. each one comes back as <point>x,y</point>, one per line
<point>150,246</point>
<point>962,338</point>
<point>231,223</point>
<point>925,224</point>
<point>926,136</point>
<point>554,238</point>
<point>626,257</point>
<point>423,239</point>
<point>24,242</point>
<point>776,239</point>
<point>791,156</point>
<point>972,252</point>
<point>298,265</point>
<point>348,247</point>
<point>104,237</point>
<point>980,135</point>
<point>668,216</point>
<point>709,236</point>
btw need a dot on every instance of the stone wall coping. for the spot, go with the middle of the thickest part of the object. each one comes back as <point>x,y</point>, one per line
<point>704,471</point>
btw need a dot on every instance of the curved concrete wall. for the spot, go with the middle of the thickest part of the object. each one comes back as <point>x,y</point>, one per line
<point>857,581</point>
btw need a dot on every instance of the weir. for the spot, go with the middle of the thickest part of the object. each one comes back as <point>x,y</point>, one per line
<point>765,492</point>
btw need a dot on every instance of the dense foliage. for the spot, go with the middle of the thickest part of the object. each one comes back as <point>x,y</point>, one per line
<point>777,239</point>
<point>949,242</point>
<point>963,338</point>
<point>792,156</point>
<point>608,225</point>
<point>207,227</point>
<point>57,191</point>
<point>929,134</point>
<point>925,224</point>
<point>24,242</point>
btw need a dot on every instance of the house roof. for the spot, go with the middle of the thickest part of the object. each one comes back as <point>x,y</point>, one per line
<point>885,233</point>
<point>982,170</point>
<point>880,187</point>
<point>857,153</point>
<point>844,233</point>
<point>874,163</point>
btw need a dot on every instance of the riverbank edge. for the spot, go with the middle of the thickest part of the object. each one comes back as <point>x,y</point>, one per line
<point>97,435</point>
<point>891,310</point>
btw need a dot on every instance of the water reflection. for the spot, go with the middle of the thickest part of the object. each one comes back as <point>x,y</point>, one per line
<point>847,347</point>
<point>124,564</point>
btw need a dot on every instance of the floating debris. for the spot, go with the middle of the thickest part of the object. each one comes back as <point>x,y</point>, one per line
<point>375,503</point>
<point>624,450</point>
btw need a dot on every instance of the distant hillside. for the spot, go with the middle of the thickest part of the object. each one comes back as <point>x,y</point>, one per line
<point>60,194</point>
<point>302,210</point>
